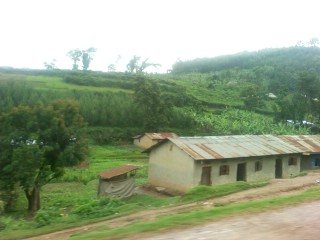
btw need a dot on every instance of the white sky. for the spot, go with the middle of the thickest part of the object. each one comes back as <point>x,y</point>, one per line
<point>35,31</point>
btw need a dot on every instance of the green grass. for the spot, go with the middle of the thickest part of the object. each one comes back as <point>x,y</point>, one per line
<point>104,158</point>
<point>199,216</point>
<point>204,192</point>
<point>117,151</point>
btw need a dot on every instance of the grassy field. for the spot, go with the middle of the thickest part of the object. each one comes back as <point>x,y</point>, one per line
<point>196,85</point>
<point>106,157</point>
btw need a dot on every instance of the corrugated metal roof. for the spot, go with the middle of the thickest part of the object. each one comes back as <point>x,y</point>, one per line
<point>117,171</point>
<point>221,147</point>
<point>137,136</point>
<point>163,135</point>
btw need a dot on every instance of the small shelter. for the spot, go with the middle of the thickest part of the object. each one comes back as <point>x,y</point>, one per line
<point>149,139</point>
<point>118,182</point>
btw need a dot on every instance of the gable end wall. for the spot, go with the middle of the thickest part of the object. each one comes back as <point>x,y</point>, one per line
<point>171,168</point>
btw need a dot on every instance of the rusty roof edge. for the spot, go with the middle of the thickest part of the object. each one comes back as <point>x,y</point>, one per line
<point>148,150</point>
<point>118,171</point>
<point>286,142</point>
<point>260,156</point>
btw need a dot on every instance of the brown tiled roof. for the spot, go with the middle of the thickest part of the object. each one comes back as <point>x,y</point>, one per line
<point>117,171</point>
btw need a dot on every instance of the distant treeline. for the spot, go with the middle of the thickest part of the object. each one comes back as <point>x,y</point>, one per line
<point>296,59</point>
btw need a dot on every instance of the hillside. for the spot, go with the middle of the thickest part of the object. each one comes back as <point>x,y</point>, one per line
<point>298,58</point>
<point>269,67</point>
<point>203,96</point>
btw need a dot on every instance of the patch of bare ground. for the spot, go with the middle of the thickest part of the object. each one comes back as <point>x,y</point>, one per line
<point>277,187</point>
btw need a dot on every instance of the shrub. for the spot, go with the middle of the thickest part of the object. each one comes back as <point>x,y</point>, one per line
<point>3,225</point>
<point>1,207</point>
<point>98,208</point>
<point>45,217</point>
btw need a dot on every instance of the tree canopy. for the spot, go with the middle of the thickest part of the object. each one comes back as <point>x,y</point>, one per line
<point>36,143</point>
<point>85,55</point>
<point>154,107</point>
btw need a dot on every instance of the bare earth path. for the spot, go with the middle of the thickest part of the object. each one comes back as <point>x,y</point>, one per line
<point>278,187</point>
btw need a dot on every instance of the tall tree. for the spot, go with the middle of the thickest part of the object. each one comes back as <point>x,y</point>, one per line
<point>112,67</point>
<point>251,97</point>
<point>133,64</point>
<point>291,107</point>
<point>50,65</point>
<point>155,110</point>
<point>308,85</point>
<point>308,88</point>
<point>87,56</point>
<point>313,42</point>
<point>136,66</point>
<point>75,55</point>
<point>37,143</point>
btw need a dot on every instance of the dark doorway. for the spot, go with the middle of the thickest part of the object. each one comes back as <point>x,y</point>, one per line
<point>242,172</point>
<point>278,169</point>
<point>206,176</point>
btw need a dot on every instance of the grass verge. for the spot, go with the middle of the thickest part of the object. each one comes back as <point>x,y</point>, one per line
<point>199,216</point>
<point>206,192</point>
<point>63,200</point>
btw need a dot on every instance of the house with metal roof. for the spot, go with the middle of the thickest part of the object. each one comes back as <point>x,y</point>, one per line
<point>149,139</point>
<point>185,162</point>
<point>117,182</point>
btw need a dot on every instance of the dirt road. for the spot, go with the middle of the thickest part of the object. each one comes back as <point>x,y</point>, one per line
<point>278,187</point>
<point>293,223</point>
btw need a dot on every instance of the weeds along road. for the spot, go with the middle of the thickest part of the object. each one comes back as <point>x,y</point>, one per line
<point>277,187</point>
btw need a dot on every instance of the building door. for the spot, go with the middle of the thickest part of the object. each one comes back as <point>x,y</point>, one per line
<point>242,172</point>
<point>278,170</point>
<point>206,176</point>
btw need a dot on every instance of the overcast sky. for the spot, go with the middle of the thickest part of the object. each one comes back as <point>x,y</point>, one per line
<point>37,31</point>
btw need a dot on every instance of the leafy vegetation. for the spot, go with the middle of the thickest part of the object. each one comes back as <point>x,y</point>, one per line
<point>36,144</point>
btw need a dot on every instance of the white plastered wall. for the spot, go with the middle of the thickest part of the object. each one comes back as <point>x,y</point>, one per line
<point>170,167</point>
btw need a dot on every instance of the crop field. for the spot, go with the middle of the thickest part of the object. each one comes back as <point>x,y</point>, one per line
<point>56,83</point>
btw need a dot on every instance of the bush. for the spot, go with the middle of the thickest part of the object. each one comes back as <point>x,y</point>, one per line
<point>1,207</point>
<point>3,225</point>
<point>98,208</point>
<point>45,217</point>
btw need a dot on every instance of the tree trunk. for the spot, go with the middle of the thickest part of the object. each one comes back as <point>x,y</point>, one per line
<point>33,199</point>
